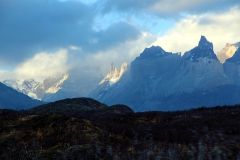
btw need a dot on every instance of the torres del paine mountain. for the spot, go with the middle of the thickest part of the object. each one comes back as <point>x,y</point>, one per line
<point>160,80</point>
<point>155,80</point>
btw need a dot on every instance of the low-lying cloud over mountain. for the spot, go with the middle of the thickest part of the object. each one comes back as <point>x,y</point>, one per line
<point>100,32</point>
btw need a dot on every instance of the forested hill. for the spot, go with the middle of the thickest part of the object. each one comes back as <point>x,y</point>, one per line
<point>204,133</point>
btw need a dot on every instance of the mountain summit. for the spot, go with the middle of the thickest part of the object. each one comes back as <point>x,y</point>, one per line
<point>153,52</point>
<point>203,50</point>
<point>205,43</point>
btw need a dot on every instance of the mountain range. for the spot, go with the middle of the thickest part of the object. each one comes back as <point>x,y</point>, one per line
<point>160,80</point>
<point>77,82</point>
<point>155,80</point>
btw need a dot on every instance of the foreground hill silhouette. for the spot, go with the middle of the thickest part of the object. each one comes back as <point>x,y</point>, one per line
<point>70,131</point>
<point>79,105</point>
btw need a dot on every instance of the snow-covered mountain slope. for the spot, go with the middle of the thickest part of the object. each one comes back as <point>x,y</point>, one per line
<point>12,99</point>
<point>37,90</point>
<point>227,52</point>
<point>159,80</point>
<point>27,87</point>
<point>77,82</point>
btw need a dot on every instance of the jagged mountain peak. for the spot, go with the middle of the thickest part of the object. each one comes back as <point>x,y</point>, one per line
<point>114,75</point>
<point>203,50</point>
<point>204,42</point>
<point>114,72</point>
<point>153,52</point>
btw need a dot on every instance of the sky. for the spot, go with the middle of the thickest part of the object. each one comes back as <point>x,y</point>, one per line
<point>42,38</point>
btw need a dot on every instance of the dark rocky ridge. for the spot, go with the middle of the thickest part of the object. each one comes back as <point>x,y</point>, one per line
<point>203,50</point>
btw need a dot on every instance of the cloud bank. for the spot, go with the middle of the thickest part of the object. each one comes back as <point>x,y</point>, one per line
<point>167,8</point>
<point>41,38</point>
<point>40,66</point>
<point>30,26</point>
<point>218,28</point>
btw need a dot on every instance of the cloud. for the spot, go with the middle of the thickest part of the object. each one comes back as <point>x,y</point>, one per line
<point>117,33</point>
<point>167,8</point>
<point>173,8</point>
<point>42,65</point>
<point>2,72</point>
<point>75,48</point>
<point>218,28</point>
<point>30,26</point>
<point>126,52</point>
<point>105,31</point>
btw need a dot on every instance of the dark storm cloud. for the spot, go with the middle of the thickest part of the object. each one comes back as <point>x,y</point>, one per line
<point>30,26</point>
<point>116,33</point>
<point>168,8</point>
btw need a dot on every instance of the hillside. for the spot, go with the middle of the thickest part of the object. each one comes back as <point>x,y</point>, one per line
<point>203,133</point>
